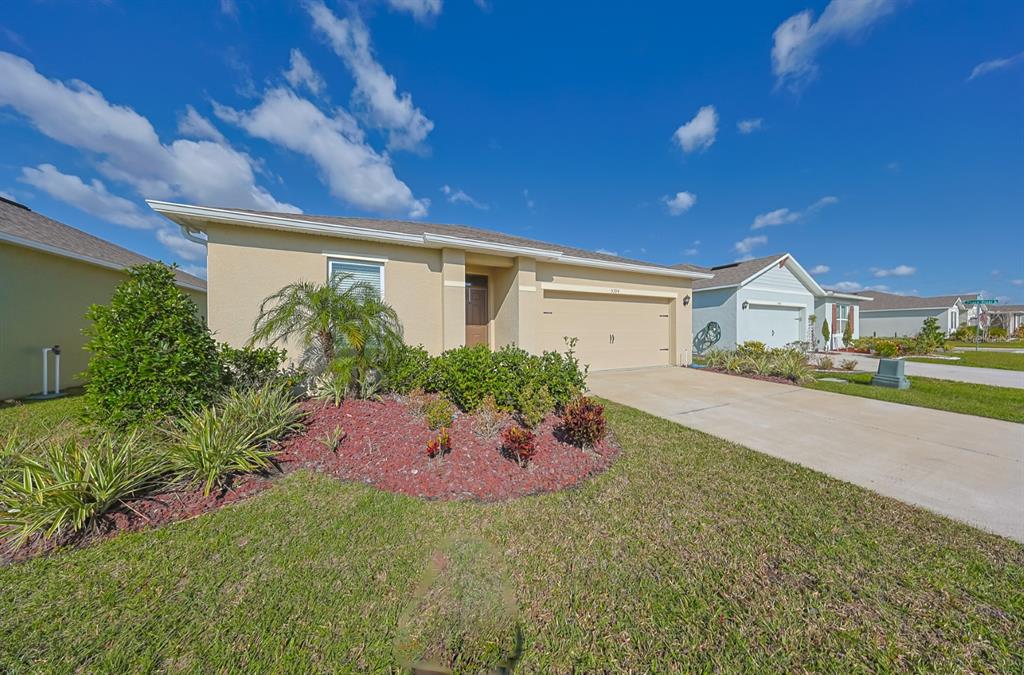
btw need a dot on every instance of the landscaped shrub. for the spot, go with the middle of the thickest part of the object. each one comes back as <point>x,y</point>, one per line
<point>1019,333</point>
<point>64,487</point>
<point>519,444</point>
<point>438,412</point>
<point>250,366</point>
<point>151,354</point>
<point>930,337</point>
<point>826,333</point>
<point>785,362</point>
<point>752,347</point>
<point>406,369</point>
<point>235,436</point>
<point>439,445</point>
<point>887,349</point>
<point>848,334</point>
<point>534,403</point>
<point>331,386</point>
<point>583,422</point>
<point>848,364</point>
<point>825,363</point>
<point>997,333</point>
<point>966,333</point>
<point>489,418</point>
<point>791,364</point>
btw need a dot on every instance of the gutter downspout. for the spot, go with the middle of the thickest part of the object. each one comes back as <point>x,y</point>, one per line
<point>190,235</point>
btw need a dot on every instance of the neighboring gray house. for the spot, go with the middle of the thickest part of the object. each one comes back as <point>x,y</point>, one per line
<point>1010,317</point>
<point>770,300</point>
<point>891,315</point>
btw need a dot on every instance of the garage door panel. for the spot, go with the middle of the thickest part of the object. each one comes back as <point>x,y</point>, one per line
<point>774,326</point>
<point>611,331</point>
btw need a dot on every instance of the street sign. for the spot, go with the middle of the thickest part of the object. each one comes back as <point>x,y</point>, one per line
<point>981,302</point>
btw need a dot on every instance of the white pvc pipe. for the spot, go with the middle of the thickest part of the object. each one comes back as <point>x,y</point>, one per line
<point>46,383</point>
<point>56,375</point>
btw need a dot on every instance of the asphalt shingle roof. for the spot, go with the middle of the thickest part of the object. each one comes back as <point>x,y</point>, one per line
<point>887,301</point>
<point>20,221</point>
<point>416,227</point>
<point>731,274</point>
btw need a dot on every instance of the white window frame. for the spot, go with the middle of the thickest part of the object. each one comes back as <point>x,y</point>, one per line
<point>841,320</point>
<point>380,263</point>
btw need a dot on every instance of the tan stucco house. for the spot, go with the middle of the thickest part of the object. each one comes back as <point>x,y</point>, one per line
<point>450,285</point>
<point>49,275</point>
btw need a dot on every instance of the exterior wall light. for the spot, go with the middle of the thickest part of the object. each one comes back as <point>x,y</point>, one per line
<point>745,304</point>
<point>686,300</point>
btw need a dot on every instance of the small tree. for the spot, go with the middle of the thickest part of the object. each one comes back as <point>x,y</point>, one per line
<point>931,336</point>
<point>152,354</point>
<point>825,334</point>
<point>813,320</point>
<point>848,333</point>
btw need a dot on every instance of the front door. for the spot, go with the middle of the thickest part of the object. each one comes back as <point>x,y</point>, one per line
<point>476,310</point>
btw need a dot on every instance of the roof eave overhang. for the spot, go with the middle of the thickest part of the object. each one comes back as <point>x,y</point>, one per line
<point>64,253</point>
<point>197,217</point>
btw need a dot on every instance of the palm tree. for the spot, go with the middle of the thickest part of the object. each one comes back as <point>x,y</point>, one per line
<point>342,329</point>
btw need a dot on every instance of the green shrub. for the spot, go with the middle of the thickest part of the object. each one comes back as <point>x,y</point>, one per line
<point>752,347</point>
<point>406,369</point>
<point>848,333</point>
<point>791,364</point>
<point>250,367</point>
<point>583,422</point>
<point>151,354</point>
<point>930,337</point>
<point>64,487</point>
<point>966,333</point>
<point>887,349</point>
<point>534,402</point>
<point>997,333</point>
<point>1019,333</point>
<point>825,333</point>
<point>234,436</point>
<point>438,412</point>
<point>786,362</point>
<point>332,385</point>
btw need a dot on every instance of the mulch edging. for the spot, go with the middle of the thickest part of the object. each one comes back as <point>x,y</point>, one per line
<point>384,446</point>
<point>752,376</point>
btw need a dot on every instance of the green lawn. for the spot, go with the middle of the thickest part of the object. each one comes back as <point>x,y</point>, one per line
<point>1004,403</point>
<point>1013,344</point>
<point>41,418</point>
<point>690,553</point>
<point>1002,361</point>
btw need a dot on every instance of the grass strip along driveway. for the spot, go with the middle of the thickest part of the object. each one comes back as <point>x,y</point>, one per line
<point>998,360</point>
<point>1001,403</point>
<point>689,553</point>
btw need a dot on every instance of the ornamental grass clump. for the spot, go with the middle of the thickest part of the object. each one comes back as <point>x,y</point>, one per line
<point>583,422</point>
<point>519,444</point>
<point>52,489</point>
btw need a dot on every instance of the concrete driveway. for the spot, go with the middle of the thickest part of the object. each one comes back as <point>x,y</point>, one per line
<point>965,467</point>
<point>940,371</point>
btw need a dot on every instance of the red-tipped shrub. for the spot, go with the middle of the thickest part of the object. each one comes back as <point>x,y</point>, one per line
<point>583,422</point>
<point>439,445</point>
<point>519,444</point>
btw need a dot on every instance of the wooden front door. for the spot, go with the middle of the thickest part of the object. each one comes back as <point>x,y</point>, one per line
<point>477,313</point>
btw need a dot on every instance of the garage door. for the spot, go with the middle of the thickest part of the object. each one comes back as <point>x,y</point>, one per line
<point>774,326</point>
<point>613,331</point>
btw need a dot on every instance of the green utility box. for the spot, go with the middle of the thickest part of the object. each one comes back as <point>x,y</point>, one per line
<point>890,374</point>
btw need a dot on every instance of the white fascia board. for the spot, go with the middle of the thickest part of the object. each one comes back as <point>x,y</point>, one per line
<point>64,253</point>
<point>715,288</point>
<point>904,309</point>
<point>775,303</point>
<point>190,216</point>
<point>847,296</point>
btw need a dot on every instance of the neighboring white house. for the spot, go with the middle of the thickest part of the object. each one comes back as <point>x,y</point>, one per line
<point>1010,317</point>
<point>770,300</point>
<point>891,315</point>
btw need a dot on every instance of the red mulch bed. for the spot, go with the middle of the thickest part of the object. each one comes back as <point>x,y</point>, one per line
<point>385,446</point>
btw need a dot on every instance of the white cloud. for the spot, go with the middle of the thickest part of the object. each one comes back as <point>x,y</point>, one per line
<point>798,39</point>
<point>301,73</point>
<point>456,196</point>
<point>820,269</point>
<point>747,244</point>
<point>421,10</point>
<point>529,202</point>
<point>172,238</point>
<point>351,168</point>
<point>750,126</point>
<point>7,195</point>
<point>127,147</point>
<point>229,7</point>
<point>607,252</point>
<point>195,125</point>
<point>680,203</point>
<point>699,133</point>
<point>995,64</point>
<point>375,96</point>
<point>92,198</point>
<point>1017,282</point>
<point>786,216</point>
<point>195,270</point>
<point>694,248</point>
<point>898,271</point>
<point>853,287</point>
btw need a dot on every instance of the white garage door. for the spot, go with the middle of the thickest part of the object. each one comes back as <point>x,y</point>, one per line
<point>613,331</point>
<point>774,326</point>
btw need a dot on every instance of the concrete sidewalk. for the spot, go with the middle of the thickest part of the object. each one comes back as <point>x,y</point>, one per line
<point>992,376</point>
<point>965,467</point>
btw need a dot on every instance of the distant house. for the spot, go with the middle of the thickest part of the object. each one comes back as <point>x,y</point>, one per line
<point>891,315</point>
<point>770,300</point>
<point>49,275</point>
<point>1010,317</point>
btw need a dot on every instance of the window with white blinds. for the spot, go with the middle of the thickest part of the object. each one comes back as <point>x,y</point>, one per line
<point>347,273</point>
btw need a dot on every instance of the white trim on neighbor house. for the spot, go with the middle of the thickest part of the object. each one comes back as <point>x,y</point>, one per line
<point>184,214</point>
<point>64,253</point>
<point>773,303</point>
<point>909,309</point>
<point>605,290</point>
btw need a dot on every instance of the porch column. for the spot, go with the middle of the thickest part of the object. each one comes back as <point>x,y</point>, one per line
<point>682,349</point>
<point>528,296</point>
<point>453,298</point>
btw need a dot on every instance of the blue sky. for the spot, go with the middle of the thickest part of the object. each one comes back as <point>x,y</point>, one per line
<point>880,139</point>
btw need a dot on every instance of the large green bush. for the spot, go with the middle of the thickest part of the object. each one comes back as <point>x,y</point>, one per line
<point>792,364</point>
<point>151,353</point>
<point>250,367</point>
